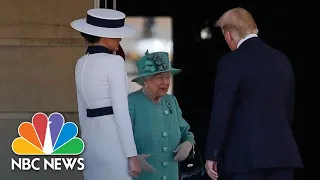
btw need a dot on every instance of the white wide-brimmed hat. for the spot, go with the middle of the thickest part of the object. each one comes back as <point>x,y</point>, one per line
<point>104,23</point>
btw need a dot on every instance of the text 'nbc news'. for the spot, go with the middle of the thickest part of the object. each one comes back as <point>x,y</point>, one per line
<point>55,164</point>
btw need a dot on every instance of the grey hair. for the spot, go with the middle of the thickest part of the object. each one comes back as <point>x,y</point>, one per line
<point>142,80</point>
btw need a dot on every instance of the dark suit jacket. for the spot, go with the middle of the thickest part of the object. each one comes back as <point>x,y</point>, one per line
<point>253,110</point>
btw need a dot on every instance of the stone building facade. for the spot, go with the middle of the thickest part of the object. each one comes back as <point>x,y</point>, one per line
<point>38,52</point>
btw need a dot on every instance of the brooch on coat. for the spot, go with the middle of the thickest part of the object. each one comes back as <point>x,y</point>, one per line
<point>168,104</point>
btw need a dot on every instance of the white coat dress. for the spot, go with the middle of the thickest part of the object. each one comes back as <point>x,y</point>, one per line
<point>101,81</point>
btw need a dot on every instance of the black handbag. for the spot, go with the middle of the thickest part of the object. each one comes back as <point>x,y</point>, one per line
<point>193,168</point>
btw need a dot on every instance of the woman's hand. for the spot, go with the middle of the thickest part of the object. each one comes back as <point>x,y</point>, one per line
<point>144,164</point>
<point>182,151</point>
<point>134,168</point>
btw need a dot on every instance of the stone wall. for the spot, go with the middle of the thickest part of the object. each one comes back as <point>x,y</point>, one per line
<point>38,52</point>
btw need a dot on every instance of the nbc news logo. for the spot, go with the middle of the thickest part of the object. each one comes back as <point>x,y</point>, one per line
<point>47,136</point>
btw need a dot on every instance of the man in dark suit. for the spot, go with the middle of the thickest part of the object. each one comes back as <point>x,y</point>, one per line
<point>250,136</point>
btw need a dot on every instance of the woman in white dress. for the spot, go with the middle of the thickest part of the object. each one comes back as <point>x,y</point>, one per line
<point>102,89</point>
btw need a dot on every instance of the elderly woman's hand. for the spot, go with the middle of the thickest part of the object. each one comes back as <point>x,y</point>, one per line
<point>144,164</point>
<point>182,151</point>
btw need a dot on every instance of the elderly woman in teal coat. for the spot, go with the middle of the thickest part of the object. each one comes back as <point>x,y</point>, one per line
<point>161,134</point>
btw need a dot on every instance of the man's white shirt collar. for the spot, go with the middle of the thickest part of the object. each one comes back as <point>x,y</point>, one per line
<point>245,38</point>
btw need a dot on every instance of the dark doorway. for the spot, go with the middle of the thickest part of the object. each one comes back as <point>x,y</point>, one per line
<point>197,55</point>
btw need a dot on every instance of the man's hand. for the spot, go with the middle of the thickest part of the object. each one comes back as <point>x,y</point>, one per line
<point>211,167</point>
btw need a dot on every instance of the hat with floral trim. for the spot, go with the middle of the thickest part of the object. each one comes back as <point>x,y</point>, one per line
<point>154,63</point>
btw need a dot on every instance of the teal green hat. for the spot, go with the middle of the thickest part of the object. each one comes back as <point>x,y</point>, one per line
<point>154,63</point>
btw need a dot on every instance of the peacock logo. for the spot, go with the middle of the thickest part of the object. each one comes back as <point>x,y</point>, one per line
<point>48,136</point>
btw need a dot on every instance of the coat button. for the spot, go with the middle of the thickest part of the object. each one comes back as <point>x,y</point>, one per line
<point>166,112</point>
<point>164,149</point>
<point>164,164</point>
<point>164,134</point>
<point>164,177</point>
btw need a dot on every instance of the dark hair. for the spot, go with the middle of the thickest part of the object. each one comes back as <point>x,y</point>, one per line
<point>121,53</point>
<point>90,38</point>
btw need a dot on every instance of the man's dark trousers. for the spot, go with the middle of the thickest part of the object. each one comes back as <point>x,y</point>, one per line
<point>263,174</point>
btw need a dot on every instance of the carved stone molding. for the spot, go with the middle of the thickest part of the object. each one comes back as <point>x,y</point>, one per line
<point>27,116</point>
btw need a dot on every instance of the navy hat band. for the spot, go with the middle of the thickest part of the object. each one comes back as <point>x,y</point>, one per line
<point>106,23</point>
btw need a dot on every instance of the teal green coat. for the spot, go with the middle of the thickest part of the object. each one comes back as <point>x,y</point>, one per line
<point>158,130</point>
